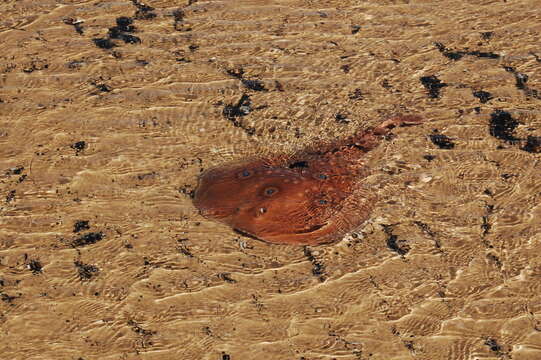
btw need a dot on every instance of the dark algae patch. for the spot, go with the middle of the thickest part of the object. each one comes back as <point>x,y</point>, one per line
<point>393,244</point>
<point>227,278</point>
<point>483,96</point>
<point>502,126</point>
<point>7,298</point>
<point>144,12</point>
<point>145,335</point>
<point>255,85</point>
<point>433,85</point>
<point>442,141</point>
<point>85,271</point>
<point>487,35</point>
<point>240,109</point>
<point>102,87</point>
<point>35,266</point>
<point>17,170</point>
<point>532,145</point>
<point>356,95</point>
<point>81,225</point>
<point>493,345</point>
<point>341,118</point>
<point>183,249</point>
<point>124,26</point>
<point>486,224</point>
<point>502,352</point>
<point>179,24</point>
<point>318,269</point>
<point>78,146</point>
<point>10,196</point>
<point>122,31</point>
<point>459,54</point>
<point>520,82</point>
<point>36,65</point>
<point>87,239</point>
<point>453,55</point>
<point>104,43</point>
<point>398,246</point>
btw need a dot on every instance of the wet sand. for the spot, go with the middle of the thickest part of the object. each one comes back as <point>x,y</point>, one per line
<point>109,110</point>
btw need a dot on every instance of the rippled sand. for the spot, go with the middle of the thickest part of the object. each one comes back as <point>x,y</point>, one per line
<point>105,125</point>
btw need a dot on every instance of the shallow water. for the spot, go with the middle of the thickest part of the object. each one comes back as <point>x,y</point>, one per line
<point>103,256</point>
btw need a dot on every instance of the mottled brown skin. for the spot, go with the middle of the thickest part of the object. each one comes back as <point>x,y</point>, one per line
<point>311,198</point>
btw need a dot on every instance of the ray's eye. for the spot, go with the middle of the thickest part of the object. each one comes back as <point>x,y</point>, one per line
<point>270,191</point>
<point>322,177</point>
<point>322,202</point>
<point>245,174</point>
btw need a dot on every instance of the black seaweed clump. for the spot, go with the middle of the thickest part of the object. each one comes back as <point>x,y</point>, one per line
<point>11,195</point>
<point>144,12</point>
<point>483,96</point>
<point>78,146</point>
<point>533,144</point>
<point>7,298</point>
<point>442,141</point>
<point>255,85</point>
<point>87,239</point>
<point>241,108</point>
<point>393,244</point>
<point>521,82</point>
<point>341,118</point>
<point>398,246</point>
<point>104,43</point>
<point>81,225</point>
<point>487,35</point>
<point>433,85</point>
<point>495,347</point>
<point>318,268</point>
<point>457,55</point>
<point>35,266</point>
<point>502,126</point>
<point>86,271</point>
<point>124,26</point>
<point>17,170</point>
<point>121,31</point>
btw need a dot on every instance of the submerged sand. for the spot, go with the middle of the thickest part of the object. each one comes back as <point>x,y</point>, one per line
<point>110,109</point>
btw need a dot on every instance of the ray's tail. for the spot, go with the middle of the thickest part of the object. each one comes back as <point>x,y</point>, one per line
<point>369,139</point>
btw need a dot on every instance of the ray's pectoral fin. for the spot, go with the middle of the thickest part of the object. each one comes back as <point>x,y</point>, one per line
<point>311,229</point>
<point>315,235</point>
<point>244,233</point>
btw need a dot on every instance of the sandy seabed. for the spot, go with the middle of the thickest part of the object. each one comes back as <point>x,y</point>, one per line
<point>109,110</point>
